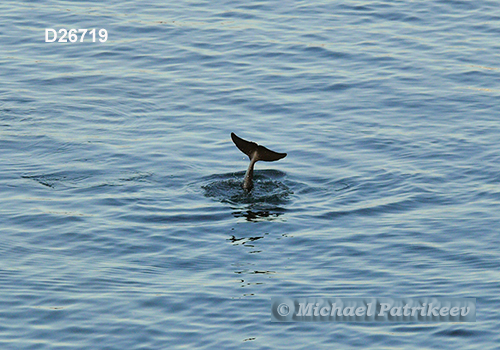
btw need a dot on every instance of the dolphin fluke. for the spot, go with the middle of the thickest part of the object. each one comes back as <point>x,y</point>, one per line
<point>249,147</point>
<point>255,153</point>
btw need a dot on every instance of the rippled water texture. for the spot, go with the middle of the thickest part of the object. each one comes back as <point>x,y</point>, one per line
<point>123,220</point>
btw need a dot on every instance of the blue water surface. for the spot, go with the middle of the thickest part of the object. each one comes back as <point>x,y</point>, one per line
<point>122,219</point>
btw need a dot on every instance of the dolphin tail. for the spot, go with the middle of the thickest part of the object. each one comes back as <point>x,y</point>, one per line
<point>254,151</point>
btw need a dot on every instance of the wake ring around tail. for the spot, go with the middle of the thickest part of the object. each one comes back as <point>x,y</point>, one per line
<point>270,189</point>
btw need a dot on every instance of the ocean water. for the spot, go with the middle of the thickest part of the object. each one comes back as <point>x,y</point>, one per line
<point>122,220</point>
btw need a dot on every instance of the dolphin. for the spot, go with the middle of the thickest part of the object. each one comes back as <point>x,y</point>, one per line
<point>255,152</point>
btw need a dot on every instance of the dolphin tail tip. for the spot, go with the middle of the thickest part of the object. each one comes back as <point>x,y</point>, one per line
<point>267,155</point>
<point>249,148</point>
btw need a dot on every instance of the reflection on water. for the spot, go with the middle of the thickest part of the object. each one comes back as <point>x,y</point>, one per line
<point>244,240</point>
<point>261,215</point>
